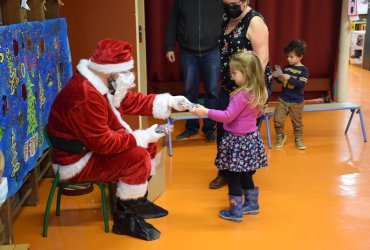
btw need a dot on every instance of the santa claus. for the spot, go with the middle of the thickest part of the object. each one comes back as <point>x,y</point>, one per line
<point>92,142</point>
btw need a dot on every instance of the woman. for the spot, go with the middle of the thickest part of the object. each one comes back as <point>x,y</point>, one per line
<point>243,29</point>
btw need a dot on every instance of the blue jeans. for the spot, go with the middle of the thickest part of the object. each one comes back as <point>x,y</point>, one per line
<point>192,67</point>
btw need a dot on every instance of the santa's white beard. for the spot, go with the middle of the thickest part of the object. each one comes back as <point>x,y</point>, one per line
<point>124,82</point>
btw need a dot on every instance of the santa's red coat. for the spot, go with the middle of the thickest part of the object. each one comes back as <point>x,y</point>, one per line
<point>83,111</point>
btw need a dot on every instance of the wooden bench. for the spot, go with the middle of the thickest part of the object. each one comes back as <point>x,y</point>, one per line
<point>269,112</point>
<point>27,195</point>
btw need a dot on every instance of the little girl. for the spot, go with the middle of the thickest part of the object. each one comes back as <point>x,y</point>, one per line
<point>241,150</point>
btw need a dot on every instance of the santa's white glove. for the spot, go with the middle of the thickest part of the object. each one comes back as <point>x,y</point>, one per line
<point>146,136</point>
<point>178,102</point>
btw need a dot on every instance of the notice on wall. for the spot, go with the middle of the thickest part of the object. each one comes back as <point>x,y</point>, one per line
<point>352,8</point>
<point>356,8</point>
<point>362,7</point>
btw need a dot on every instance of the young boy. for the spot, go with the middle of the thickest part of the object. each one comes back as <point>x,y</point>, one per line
<point>291,101</point>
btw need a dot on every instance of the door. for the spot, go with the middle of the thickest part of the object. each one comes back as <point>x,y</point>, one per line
<point>141,53</point>
<point>89,21</point>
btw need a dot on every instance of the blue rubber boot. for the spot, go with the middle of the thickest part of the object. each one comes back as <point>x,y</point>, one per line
<point>235,212</point>
<point>250,205</point>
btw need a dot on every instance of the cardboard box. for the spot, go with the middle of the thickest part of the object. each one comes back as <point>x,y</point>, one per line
<point>157,183</point>
<point>15,247</point>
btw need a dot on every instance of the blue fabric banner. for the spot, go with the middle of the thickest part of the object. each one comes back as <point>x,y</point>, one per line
<point>35,63</point>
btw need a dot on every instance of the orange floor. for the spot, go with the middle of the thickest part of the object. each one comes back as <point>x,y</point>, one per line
<point>313,199</point>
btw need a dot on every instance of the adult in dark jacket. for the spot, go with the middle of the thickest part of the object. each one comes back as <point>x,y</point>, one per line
<point>196,26</point>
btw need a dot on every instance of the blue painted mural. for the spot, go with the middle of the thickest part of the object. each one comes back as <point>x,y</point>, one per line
<point>35,63</point>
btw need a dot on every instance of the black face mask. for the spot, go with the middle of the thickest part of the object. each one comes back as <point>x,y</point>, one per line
<point>233,11</point>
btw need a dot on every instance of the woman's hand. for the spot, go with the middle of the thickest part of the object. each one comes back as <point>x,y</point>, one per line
<point>275,74</point>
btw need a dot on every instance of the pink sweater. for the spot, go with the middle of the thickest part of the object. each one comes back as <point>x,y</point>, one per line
<point>238,118</point>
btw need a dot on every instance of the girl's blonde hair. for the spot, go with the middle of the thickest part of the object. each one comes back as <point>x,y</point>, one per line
<point>250,66</point>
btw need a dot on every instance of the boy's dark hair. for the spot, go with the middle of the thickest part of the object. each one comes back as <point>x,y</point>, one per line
<point>297,46</point>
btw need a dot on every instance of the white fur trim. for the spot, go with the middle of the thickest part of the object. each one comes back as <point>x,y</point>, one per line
<point>68,171</point>
<point>118,114</point>
<point>82,67</point>
<point>141,137</point>
<point>3,189</point>
<point>126,191</point>
<point>154,163</point>
<point>161,109</point>
<point>112,68</point>
<point>102,88</point>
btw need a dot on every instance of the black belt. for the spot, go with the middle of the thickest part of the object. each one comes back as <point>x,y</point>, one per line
<point>69,146</point>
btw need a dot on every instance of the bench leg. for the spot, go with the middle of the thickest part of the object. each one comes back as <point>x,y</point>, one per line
<point>358,111</point>
<point>349,121</point>
<point>267,118</point>
<point>362,124</point>
<point>169,122</point>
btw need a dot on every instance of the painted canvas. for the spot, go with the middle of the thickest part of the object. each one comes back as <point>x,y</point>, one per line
<point>35,63</point>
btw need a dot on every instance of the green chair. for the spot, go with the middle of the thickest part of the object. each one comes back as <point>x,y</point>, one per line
<point>60,184</point>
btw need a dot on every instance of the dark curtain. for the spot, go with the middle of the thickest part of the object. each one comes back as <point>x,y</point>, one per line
<point>315,21</point>
<point>159,69</point>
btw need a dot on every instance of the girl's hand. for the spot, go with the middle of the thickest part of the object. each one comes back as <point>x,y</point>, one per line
<point>199,111</point>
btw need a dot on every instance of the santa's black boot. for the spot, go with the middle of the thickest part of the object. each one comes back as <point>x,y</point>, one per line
<point>149,210</point>
<point>126,221</point>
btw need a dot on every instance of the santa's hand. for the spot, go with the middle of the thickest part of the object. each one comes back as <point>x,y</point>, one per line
<point>154,136</point>
<point>146,136</point>
<point>178,102</point>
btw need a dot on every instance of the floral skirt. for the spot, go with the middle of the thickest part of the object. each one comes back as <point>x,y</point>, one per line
<point>241,153</point>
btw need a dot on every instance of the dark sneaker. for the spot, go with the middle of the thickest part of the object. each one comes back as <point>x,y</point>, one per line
<point>210,136</point>
<point>185,135</point>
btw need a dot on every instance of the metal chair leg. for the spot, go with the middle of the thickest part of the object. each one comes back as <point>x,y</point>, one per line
<point>59,197</point>
<point>48,205</point>
<point>104,205</point>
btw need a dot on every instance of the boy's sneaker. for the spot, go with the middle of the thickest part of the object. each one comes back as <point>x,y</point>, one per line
<point>280,139</point>
<point>299,144</point>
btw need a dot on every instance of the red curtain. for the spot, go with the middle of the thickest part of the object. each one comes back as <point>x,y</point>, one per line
<point>315,21</point>
<point>159,69</point>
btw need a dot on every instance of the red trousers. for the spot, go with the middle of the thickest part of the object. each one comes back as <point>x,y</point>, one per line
<point>131,166</point>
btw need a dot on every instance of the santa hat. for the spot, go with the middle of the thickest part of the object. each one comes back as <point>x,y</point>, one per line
<point>112,56</point>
